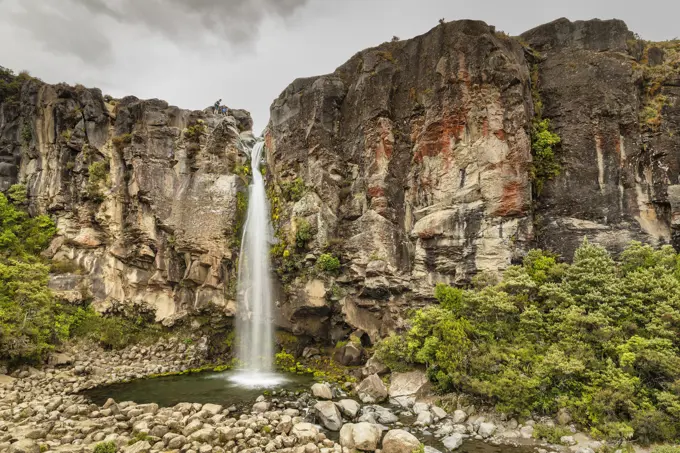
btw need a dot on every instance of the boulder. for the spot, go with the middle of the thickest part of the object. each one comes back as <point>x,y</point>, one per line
<point>212,409</point>
<point>202,435</point>
<point>410,383</point>
<point>424,418</point>
<point>4,379</point>
<point>420,407</point>
<point>304,432</point>
<point>349,408</point>
<point>486,429</point>
<point>322,391</point>
<point>399,441</point>
<point>349,355</point>
<point>261,407</point>
<point>24,446</point>
<point>360,436</point>
<point>453,441</point>
<point>60,359</point>
<point>459,416</point>
<point>329,415</point>
<point>138,447</point>
<point>374,366</point>
<point>438,412</point>
<point>567,440</point>
<point>372,390</point>
<point>526,432</point>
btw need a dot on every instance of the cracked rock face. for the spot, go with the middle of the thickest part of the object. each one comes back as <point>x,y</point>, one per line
<point>411,163</point>
<point>419,157</point>
<point>155,226</point>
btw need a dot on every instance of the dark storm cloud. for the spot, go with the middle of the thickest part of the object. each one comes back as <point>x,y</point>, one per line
<point>79,27</point>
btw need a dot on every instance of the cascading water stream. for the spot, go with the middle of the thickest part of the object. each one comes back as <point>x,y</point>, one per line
<point>254,322</point>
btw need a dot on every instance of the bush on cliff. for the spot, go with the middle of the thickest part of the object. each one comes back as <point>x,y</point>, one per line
<point>32,321</point>
<point>598,337</point>
<point>27,311</point>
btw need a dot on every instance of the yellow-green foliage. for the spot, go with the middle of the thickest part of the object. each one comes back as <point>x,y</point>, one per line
<point>654,78</point>
<point>98,172</point>
<point>543,141</point>
<point>139,437</point>
<point>285,361</point>
<point>106,447</point>
<point>18,193</point>
<point>551,434</point>
<point>303,232</point>
<point>599,337</point>
<point>293,190</point>
<point>328,263</point>
<point>545,165</point>
<point>193,133</point>
<point>32,321</point>
<point>650,115</point>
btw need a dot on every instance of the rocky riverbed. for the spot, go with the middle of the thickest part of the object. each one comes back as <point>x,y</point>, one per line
<point>41,411</point>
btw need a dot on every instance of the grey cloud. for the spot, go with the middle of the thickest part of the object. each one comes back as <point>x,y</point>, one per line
<point>78,27</point>
<point>60,31</point>
<point>236,21</point>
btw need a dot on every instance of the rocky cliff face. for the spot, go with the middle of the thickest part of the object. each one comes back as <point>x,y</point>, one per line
<point>411,163</point>
<point>143,194</point>
<point>620,168</point>
<point>417,157</point>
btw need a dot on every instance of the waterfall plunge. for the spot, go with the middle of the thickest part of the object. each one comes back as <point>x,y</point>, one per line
<point>254,326</point>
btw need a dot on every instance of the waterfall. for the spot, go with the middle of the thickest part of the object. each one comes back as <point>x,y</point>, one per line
<point>254,322</point>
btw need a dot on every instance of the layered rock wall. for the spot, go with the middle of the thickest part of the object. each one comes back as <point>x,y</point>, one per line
<point>417,157</point>
<point>411,163</point>
<point>143,194</point>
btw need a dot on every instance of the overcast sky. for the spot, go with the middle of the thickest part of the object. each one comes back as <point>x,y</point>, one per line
<point>192,52</point>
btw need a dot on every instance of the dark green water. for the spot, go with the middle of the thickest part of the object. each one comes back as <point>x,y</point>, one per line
<point>207,387</point>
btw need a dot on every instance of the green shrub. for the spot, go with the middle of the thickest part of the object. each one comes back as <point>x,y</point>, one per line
<point>293,190</point>
<point>599,337</point>
<point>26,134</point>
<point>27,308</point>
<point>97,172</point>
<point>193,132</point>
<point>545,165</point>
<point>10,85</point>
<point>284,361</point>
<point>18,193</point>
<point>551,434</point>
<point>303,233</point>
<point>328,263</point>
<point>111,332</point>
<point>543,142</point>
<point>105,447</point>
<point>139,437</point>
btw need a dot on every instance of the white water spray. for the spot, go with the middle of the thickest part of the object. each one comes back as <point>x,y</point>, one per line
<point>254,319</point>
